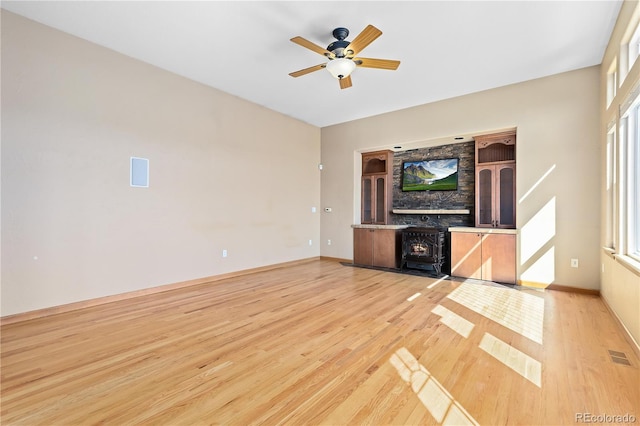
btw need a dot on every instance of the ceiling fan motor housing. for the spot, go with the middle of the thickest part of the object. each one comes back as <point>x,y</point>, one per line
<point>337,47</point>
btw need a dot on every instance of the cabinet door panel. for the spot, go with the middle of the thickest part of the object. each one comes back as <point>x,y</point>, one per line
<point>466,255</point>
<point>381,200</point>
<point>385,248</point>
<point>485,197</point>
<point>506,197</point>
<point>367,200</point>
<point>499,258</point>
<point>362,246</point>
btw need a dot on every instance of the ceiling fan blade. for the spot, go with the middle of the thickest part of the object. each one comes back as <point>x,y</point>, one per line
<point>345,82</point>
<point>311,46</point>
<point>363,39</point>
<point>307,70</point>
<point>385,64</point>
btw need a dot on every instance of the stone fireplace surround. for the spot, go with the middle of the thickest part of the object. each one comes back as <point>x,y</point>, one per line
<point>437,209</point>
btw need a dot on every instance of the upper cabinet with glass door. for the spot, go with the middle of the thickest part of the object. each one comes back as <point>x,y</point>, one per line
<point>496,180</point>
<point>377,186</point>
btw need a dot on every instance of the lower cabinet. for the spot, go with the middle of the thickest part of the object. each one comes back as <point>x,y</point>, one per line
<point>484,256</point>
<point>376,247</point>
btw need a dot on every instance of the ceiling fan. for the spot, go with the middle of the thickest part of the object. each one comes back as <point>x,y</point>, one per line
<point>342,55</point>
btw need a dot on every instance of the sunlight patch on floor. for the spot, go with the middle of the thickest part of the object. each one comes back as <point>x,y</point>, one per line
<point>521,363</point>
<point>437,400</point>
<point>435,283</point>
<point>454,321</point>
<point>414,297</point>
<point>520,312</point>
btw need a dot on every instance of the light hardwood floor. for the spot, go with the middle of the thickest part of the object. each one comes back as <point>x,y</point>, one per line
<point>322,343</point>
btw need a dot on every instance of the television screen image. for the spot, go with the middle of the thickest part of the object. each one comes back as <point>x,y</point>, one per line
<point>430,175</point>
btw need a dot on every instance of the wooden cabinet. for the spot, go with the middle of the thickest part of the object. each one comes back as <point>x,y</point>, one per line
<point>377,187</point>
<point>376,247</point>
<point>484,256</point>
<point>496,180</point>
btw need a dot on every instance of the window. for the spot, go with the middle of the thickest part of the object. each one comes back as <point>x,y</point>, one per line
<point>612,82</point>
<point>629,52</point>
<point>632,178</point>
<point>633,48</point>
<point>611,190</point>
<point>628,159</point>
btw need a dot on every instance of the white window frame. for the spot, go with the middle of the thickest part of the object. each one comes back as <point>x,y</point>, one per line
<point>611,237</point>
<point>612,82</point>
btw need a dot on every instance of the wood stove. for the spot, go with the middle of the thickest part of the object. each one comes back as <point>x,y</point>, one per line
<point>422,249</point>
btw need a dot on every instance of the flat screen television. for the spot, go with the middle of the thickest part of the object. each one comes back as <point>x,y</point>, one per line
<point>430,175</point>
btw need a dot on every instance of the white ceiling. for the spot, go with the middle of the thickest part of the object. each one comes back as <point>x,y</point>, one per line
<point>446,48</point>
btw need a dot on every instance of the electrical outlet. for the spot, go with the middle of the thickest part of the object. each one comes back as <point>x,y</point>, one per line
<point>574,263</point>
<point>310,242</point>
<point>224,253</point>
<point>313,209</point>
<point>328,242</point>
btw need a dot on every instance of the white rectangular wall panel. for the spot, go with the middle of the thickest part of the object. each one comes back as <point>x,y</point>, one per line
<point>139,172</point>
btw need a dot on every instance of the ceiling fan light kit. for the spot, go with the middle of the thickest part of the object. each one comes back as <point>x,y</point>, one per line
<point>341,67</point>
<point>341,55</point>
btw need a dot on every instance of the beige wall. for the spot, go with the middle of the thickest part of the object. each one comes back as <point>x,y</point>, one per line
<point>221,174</point>
<point>558,168</point>
<point>224,174</point>
<point>620,278</point>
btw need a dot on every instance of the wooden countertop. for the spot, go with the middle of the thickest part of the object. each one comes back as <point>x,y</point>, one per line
<point>368,226</point>
<point>483,230</point>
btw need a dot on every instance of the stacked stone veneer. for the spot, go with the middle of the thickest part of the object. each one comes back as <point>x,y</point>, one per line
<point>462,198</point>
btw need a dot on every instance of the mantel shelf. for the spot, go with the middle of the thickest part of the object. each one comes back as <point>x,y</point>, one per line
<point>441,211</point>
